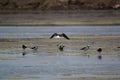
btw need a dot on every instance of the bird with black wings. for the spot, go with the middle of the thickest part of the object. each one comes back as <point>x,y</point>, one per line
<point>24,47</point>
<point>56,35</point>
<point>85,48</point>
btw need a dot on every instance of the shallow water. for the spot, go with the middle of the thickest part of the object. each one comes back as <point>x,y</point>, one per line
<point>43,66</point>
<point>56,67</point>
<point>47,31</point>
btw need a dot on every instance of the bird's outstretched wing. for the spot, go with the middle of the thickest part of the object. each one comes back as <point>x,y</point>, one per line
<point>65,36</point>
<point>53,35</point>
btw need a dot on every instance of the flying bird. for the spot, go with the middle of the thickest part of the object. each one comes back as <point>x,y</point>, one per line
<point>56,35</point>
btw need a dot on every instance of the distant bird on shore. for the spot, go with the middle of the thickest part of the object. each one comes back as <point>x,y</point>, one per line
<point>99,50</point>
<point>34,48</point>
<point>24,47</point>
<point>85,48</point>
<point>56,35</point>
<point>61,47</point>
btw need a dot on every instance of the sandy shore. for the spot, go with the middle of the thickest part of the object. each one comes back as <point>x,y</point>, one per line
<point>109,44</point>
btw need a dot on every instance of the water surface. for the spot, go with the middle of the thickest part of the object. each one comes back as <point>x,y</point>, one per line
<point>46,31</point>
<point>42,66</point>
<point>54,67</point>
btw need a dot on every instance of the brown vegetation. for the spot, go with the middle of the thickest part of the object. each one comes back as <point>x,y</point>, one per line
<point>58,4</point>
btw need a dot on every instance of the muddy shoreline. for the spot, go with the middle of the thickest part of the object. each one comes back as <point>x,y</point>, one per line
<point>109,44</point>
<point>49,62</point>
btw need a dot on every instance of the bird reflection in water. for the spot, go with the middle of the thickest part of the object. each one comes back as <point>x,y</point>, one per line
<point>24,53</point>
<point>99,50</point>
<point>99,57</point>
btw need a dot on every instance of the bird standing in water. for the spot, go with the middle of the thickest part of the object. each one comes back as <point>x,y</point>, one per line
<point>24,47</point>
<point>99,50</point>
<point>35,48</point>
<point>85,48</point>
<point>24,51</point>
<point>60,46</point>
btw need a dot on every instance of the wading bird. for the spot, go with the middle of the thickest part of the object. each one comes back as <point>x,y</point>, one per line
<point>85,48</point>
<point>34,48</point>
<point>24,47</point>
<point>99,50</point>
<point>56,35</point>
<point>61,47</point>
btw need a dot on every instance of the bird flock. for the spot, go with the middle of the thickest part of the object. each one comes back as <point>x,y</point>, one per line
<point>61,46</point>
